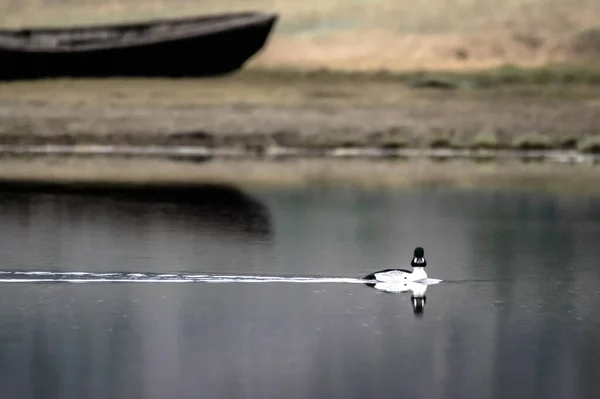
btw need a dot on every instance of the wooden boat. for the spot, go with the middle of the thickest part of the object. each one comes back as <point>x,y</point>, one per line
<point>201,46</point>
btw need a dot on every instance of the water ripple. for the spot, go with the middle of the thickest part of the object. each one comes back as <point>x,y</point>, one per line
<point>89,277</point>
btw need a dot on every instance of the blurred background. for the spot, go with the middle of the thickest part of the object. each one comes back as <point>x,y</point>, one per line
<point>370,34</point>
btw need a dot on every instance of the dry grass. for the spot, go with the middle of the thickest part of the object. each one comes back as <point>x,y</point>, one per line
<point>295,110</point>
<point>295,87</point>
<point>355,34</point>
<point>366,174</point>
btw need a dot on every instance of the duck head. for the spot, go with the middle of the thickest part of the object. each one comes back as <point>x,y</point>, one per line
<point>418,258</point>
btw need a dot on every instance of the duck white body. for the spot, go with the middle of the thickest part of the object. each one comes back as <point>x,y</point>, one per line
<point>400,276</point>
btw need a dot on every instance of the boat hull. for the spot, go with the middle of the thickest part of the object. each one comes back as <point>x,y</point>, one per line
<point>205,47</point>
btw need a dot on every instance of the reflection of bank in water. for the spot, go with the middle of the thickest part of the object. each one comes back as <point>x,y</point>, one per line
<point>217,207</point>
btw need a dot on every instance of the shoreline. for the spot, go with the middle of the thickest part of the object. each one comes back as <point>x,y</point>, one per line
<point>195,153</point>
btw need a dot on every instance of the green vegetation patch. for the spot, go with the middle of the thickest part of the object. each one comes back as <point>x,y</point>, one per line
<point>589,144</point>
<point>532,141</point>
<point>487,139</point>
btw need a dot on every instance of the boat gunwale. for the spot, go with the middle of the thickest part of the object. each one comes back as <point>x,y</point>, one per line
<point>224,22</point>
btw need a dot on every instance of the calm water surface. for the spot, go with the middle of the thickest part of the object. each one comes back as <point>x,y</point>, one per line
<point>517,315</point>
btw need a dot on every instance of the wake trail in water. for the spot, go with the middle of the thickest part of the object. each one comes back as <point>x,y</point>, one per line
<point>89,277</point>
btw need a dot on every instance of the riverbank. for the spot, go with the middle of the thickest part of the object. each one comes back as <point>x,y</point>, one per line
<point>290,128</point>
<point>552,108</point>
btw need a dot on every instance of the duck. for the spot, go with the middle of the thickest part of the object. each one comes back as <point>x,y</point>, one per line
<point>418,273</point>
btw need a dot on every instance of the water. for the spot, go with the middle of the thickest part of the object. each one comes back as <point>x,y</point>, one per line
<point>258,294</point>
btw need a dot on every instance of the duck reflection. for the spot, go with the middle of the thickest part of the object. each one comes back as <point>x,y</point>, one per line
<point>416,289</point>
